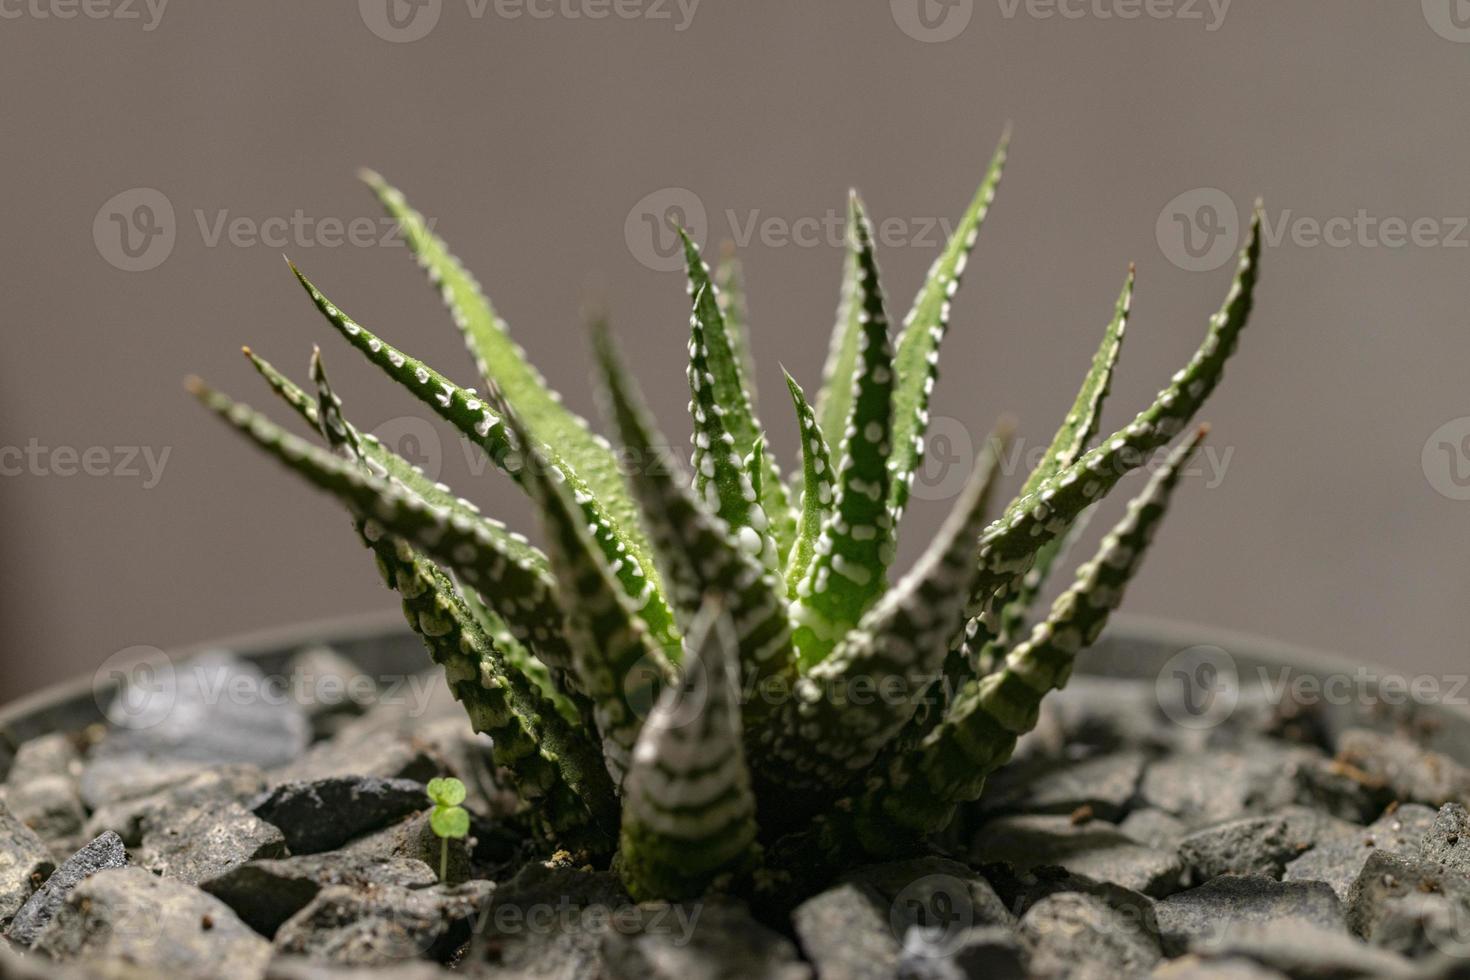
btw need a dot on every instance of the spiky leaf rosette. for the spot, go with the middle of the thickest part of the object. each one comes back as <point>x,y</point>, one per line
<point>683,675</point>
<point>917,793</point>
<point>688,809</point>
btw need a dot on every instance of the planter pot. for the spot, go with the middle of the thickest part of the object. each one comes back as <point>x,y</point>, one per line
<point>1133,647</point>
<point>1180,799</point>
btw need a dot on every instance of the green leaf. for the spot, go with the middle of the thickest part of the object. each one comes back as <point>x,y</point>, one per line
<point>446,791</point>
<point>819,488</point>
<point>1008,547</point>
<point>384,461</point>
<point>467,411</point>
<point>619,665</point>
<point>855,547</point>
<point>552,763</point>
<point>1081,422</point>
<point>834,400</point>
<point>521,589</point>
<point>449,821</point>
<point>853,703</point>
<point>697,554</point>
<point>917,358</point>
<point>501,359</point>
<point>919,792</point>
<point>688,808</point>
<point>723,379</point>
<point>721,475</point>
<point>730,280</point>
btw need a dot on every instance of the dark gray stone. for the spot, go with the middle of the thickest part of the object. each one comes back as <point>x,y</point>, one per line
<point>1095,849</point>
<point>550,922</point>
<point>1411,907</point>
<point>105,852</point>
<point>1258,845</point>
<point>25,862</point>
<point>412,838</point>
<point>1203,917</point>
<point>131,819</point>
<point>200,843</point>
<point>301,968</point>
<point>42,790</point>
<point>329,687</point>
<point>711,940</point>
<point>378,925</point>
<point>1204,788</point>
<point>1105,784</point>
<point>933,893</point>
<point>845,933</point>
<point>161,927</point>
<point>327,813</point>
<point>209,711</point>
<point>1193,967</point>
<point>992,952</point>
<point>1021,890</point>
<point>267,893</point>
<point>1412,772</point>
<point>379,753</point>
<point>1082,937</point>
<point>1299,949</point>
<point>1155,828</point>
<point>1337,858</point>
<point>1447,844</point>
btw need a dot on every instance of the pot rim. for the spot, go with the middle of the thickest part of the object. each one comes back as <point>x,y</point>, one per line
<point>1250,647</point>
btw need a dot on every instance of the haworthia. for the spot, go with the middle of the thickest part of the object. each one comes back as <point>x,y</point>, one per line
<point>698,554</point>
<point>853,703</point>
<point>919,791</point>
<point>855,546</point>
<point>468,411</point>
<point>501,359</point>
<point>917,359</point>
<point>818,486</point>
<point>726,384</point>
<point>688,810</point>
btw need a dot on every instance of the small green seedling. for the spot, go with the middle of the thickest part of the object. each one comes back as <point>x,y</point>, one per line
<point>448,818</point>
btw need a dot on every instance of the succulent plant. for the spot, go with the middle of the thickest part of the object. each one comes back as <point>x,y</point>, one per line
<point>713,682</point>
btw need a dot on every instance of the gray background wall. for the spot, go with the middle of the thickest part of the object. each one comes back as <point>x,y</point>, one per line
<point>532,140</point>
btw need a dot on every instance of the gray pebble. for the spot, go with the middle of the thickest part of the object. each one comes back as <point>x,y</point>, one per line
<point>1082,937</point>
<point>1203,917</point>
<point>326,813</point>
<point>104,853</point>
<point>1095,849</point>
